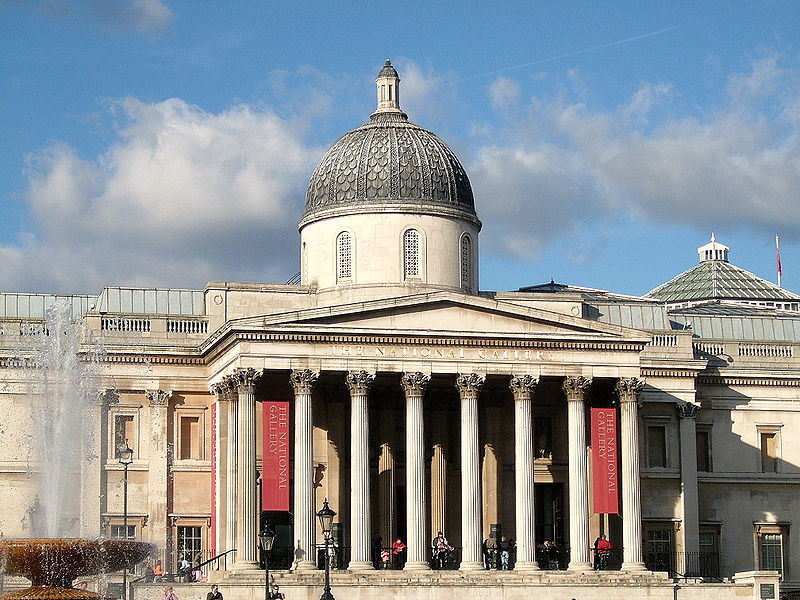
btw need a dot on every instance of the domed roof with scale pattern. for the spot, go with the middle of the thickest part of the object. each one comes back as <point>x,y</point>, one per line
<point>389,163</point>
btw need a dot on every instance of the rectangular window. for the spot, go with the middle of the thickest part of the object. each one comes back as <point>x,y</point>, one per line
<point>190,438</point>
<point>769,451</point>
<point>656,446</point>
<point>703,444</point>
<point>190,543</point>
<point>123,532</point>
<point>659,549</point>
<point>123,432</point>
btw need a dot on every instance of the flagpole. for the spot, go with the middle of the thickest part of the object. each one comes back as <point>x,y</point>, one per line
<point>778,258</point>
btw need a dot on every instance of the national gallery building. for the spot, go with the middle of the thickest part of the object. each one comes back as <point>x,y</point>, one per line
<point>386,382</point>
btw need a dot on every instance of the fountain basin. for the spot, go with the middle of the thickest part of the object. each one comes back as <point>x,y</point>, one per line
<point>52,564</point>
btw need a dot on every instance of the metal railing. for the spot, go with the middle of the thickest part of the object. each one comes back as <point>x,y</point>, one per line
<point>685,565</point>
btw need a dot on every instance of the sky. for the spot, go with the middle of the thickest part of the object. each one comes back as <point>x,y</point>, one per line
<point>168,143</point>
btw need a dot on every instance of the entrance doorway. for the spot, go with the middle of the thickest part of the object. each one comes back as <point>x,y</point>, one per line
<point>549,503</point>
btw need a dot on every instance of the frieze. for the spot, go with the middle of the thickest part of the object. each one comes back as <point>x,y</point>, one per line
<point>453,352</point>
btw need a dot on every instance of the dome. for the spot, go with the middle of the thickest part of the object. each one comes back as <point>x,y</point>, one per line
<point>389,163</point>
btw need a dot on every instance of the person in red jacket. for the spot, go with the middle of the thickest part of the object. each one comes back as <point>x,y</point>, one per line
<point>602,551</point>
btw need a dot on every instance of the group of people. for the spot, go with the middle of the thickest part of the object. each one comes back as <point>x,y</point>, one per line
<point>497,553</point>
<point>388,557</point>
<point>274,593</point>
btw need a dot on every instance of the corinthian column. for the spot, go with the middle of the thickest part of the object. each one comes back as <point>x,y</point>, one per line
<point>219,455</point>
<point>575,389</point>
<point>628,392</point>
<point>247,505</point>
<point>302,382</point>
<point>359,384</point>
<point>414,385</point>
<point>469,387</point>
<point>230,397</point>
<point>158,467</point>
<point>691,510</point>
<point>522,388</point>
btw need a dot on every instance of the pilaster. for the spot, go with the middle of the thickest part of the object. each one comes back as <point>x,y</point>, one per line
<point>231,400</point>
<point>158,479</point>
<point>469,387</point>
<point>689,494</point>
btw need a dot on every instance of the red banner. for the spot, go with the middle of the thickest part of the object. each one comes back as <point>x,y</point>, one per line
<point>275,473</point>
<point>214,472</point>
<point>605,488</point>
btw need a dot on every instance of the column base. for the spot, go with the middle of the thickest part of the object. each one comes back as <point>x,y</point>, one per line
<point>245,565</point>
<point>471,565</point>
<point>526,565</point>
<point>417,565</point>
<point>305,565</point>
<point>360,565</point>
<point>579,566</point>
<point>633,566</point>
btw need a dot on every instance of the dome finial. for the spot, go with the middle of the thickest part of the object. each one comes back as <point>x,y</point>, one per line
<point>713,251</point>
<point>388,84</point>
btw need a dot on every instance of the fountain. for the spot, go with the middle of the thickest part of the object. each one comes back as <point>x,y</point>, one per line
<point>62,367</point>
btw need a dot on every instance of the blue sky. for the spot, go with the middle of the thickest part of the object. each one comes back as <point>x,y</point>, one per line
<point>169,142</point>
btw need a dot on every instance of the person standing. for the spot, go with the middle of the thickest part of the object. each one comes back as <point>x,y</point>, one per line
<point>504,550</point>
<point>398,550</point>
<point>276,593</point>
<point>490,552</point>
<point>169,594</point>
<point>440,547</point>
<point>602,548</point>
<point>214,594</point>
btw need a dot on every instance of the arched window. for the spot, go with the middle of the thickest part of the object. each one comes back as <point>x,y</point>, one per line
<point>466,263</point>
<point>344,256</point>
<point>411,253</point>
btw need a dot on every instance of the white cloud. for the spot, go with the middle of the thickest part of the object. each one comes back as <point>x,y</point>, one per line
<point>138,15</point>
<point>567,165</point>
<point>181,197</point>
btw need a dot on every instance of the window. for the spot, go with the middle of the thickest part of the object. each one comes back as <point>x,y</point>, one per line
<point>190,542</point>
<point>123,532</point>
<point>703,446</point>
<point>543,437</point>
<point>124,433</point>
<point>659,549</point>
<point>656,446</point>
<point>411,253</point>
<point>344,256</point>
<point>190,438</point>
<point>769,439</point>
<point>466,263</point>
<point>771,543</point>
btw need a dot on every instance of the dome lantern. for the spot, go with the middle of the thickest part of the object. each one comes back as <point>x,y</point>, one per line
<point>388,89</point>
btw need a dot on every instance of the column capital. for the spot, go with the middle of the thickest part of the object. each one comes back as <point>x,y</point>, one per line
<point>158,397</point>
<point>221,389</point>
<point>469,384</point>
<point>575,388</point>
<point>108,397</point>
<point>414,384</point>
<point>687,410</point>
<point>359,382</point>
<point>628,389</point>
<point>303,380</point>
<point>522,386</point>
<point>246,380</point>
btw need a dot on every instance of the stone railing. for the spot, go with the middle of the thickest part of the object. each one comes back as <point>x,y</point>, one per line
<point>746,352</point>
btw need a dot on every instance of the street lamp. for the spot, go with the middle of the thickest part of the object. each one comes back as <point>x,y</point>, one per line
<point>266,539</point>
<point>125,457</point>
<point>326,515</point>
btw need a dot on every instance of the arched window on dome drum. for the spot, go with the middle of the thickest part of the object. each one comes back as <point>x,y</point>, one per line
<point>466,263</point>
<point>411,253</point>
<point>344,256</point>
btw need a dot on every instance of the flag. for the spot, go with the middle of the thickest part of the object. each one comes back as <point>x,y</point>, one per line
<point>778,258</point>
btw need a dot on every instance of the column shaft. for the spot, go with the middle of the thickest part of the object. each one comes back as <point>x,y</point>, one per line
<point>230,464</point>
<point>304,527</point>
<point>628,390</point>
<point>414,385</point>
<point>522,387</point>
<point>575,389</point>
<point>359,384</point>
<point>158,467</point>
<point>469,388</point>
<point>247,504</point>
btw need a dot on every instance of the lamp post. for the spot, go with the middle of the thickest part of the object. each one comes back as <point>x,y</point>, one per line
<point>325,516</point>
<point>266,539</point>
<point>125,457</point>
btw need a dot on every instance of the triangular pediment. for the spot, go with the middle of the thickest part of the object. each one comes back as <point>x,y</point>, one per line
<point>443,313</point>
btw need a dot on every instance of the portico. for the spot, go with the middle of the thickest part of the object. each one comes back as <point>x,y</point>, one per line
<point>479,474</point>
